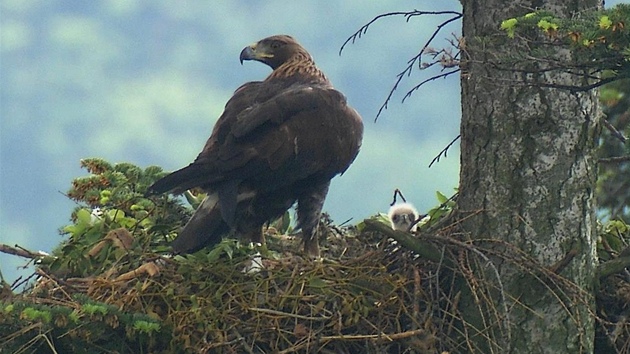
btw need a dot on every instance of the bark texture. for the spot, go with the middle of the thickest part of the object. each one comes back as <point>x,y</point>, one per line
<point>528,164</point>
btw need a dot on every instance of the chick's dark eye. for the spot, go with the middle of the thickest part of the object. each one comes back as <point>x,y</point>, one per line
<point>395,217</point>
<point>411,217</point>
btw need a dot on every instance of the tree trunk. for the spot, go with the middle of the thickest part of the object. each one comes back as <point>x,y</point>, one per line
<point>528,171</point>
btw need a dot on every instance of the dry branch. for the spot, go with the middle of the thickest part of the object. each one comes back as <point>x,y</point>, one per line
<point>423,248</point>
<point>613,266</point>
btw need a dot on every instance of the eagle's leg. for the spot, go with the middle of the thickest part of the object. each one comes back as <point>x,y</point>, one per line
<point>309,210</point>
<point>311,245</point>
<point>249,229</point>
<point>255,236</point>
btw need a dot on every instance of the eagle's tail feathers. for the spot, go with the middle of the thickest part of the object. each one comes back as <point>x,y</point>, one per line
<point>179,181</point>
<point>205,228</point>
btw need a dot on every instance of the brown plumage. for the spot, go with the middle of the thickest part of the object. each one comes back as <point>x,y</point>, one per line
<point>278,142</point>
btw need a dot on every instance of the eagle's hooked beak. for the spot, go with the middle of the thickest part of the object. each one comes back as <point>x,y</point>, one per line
<point>254,52</point>
<point>248,53</point>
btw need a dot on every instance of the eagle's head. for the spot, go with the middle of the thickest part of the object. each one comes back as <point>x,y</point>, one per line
<point>402,216</point>
<point>275,51</point>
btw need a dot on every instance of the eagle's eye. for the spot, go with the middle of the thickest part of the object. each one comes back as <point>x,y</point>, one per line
<point>275,45</point>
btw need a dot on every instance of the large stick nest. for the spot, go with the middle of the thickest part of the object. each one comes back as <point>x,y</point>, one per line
<point>112,286</point>
<point>360,298</point>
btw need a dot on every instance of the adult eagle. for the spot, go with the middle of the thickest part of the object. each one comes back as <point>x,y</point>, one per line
<point>278,142</point>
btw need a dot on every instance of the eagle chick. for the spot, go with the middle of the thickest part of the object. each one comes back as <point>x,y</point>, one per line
<point>402,216</point>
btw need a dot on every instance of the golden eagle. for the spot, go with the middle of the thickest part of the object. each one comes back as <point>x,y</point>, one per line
<point>278,142</point>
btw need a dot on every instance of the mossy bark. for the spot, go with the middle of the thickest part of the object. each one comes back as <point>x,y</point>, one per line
<point>528,173</point>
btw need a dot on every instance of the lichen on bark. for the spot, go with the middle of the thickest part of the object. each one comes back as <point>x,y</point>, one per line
<point>528,165</point>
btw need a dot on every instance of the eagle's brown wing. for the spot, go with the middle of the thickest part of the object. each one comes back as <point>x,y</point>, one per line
<point>291,101</point>
<point>196,174</point>
<point>303,135</point>
<point>297,133</point>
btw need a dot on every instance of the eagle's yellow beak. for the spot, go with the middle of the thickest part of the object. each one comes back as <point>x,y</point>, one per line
<point>254,52</point>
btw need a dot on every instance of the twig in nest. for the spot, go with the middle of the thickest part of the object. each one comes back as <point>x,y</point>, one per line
<point>21,252</point>
<point>490,264</point>
<point>150,268</point>
<point>417,289</point>
<point>377,337</point>
<point>422,247</point>
<point>59,284</point>
<point>280,313</point>
<point>613,266</point>
<point>397,193</point>
<point>21,281</point>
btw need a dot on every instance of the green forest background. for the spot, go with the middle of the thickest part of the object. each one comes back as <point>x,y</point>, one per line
<point>144,81</point>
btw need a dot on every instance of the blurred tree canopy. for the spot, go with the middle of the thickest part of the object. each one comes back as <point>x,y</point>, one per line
<point>613,186</point>
<point>600,43</point>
